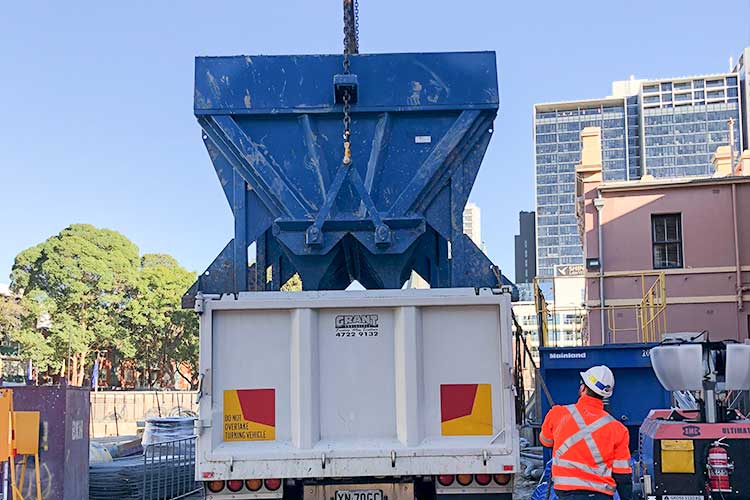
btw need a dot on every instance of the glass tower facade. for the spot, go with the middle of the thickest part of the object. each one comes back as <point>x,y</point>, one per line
<point>685,121</point>
<point>664,128</point>
<point>743,69</point>
<point>558,151</point>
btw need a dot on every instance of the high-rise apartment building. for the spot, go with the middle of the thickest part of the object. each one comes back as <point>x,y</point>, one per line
<point>743,70</point>
<point>525,243</point>
<point>472,223</point>
<point>663,128</point>
<point>472,228</point>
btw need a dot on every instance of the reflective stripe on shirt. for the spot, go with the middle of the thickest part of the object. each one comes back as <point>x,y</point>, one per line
<point>601,470</point>
<point>621,464</point>
<point>584,432</point>
<point>585,483</point>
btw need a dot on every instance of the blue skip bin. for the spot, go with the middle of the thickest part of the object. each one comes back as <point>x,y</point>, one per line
<point>637,389</point>
<point>420,127</point>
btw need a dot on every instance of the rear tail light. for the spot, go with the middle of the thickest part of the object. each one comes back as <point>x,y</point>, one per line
<point>253,484</point>
<point>464,479</point>
<point>273,484</point>
<point>482,479</point>
<point>446,479</point>
<point>501,479</point>
<point>215,486</point>
<point>234,484</point>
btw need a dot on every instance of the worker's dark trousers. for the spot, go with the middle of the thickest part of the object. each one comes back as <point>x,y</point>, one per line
<point>581,495</point>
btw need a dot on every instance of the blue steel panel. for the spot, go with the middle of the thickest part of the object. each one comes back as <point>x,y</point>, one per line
<point>420,128</point>
<point>304,83</point>
<point>637,390</point>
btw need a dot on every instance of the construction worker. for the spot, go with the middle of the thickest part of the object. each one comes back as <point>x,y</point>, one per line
<point>590,455</point>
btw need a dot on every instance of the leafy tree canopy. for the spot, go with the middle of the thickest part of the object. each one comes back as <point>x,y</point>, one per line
<point>87,289</point>
<point>11,313</point>
<point>165,335</point>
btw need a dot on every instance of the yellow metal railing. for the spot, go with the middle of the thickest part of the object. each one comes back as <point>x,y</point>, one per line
<point>558,326</point>
<point>620,320</point>
<point>542,313</point>
<point>645,321</point>
<point>653,309</point>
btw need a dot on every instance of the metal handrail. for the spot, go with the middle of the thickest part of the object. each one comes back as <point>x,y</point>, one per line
<point>653,309</point>
<point>611,313</point>
<point>649,315</point>
<point>543,314</point>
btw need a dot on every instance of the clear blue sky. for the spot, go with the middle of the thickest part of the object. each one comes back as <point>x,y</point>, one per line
<point>96,119</point>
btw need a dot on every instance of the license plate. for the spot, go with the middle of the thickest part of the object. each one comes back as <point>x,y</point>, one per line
<point>359,495</point>
<point>683,497</point>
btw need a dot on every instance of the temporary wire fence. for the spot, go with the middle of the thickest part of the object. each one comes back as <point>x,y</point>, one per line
<point>169,470</point>
<point>165,471</point>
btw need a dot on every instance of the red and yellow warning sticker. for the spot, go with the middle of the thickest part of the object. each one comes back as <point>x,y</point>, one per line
<point>466,409</point>
<point>250,415</point>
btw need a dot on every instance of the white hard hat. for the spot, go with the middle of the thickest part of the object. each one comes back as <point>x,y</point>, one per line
<point>599,379</point>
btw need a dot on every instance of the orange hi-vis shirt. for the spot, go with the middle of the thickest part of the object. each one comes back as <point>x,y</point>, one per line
<point>588,446</point>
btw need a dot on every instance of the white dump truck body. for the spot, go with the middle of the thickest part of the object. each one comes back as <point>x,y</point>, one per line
<point>359,383</point>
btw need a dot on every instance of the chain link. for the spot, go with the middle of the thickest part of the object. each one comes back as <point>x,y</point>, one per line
<point>347,118</point>
<point>356,22</point>
<point>347,129</point>
<point>351,36</point>
<point>351,28</point>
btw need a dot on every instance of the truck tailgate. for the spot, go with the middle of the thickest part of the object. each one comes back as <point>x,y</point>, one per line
<point>367,383</point>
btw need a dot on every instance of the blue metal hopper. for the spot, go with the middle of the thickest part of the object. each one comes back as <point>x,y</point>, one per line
<point>420,126</point>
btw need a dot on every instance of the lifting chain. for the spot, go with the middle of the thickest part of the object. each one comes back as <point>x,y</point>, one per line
<point>347,129</point>
<point>356,24</point>
<point>351,46</point>
<point>351,27</point>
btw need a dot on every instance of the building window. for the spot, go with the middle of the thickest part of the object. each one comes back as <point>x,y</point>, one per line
<point>666,235</point>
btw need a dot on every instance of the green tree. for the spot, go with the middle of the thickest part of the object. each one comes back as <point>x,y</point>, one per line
<point>293,285</point>
<point>165,335</point>
<point>31,333</point>
<point>11,315</point>
<point>82,279</point>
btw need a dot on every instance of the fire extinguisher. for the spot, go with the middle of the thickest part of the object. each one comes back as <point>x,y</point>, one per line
<point>719,467</point>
